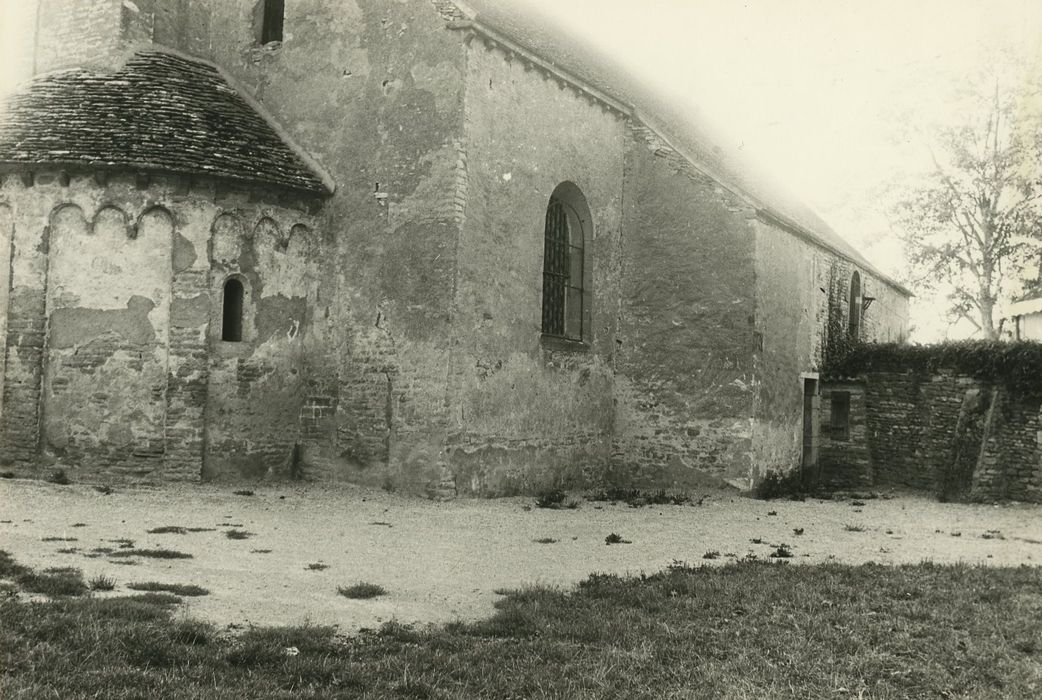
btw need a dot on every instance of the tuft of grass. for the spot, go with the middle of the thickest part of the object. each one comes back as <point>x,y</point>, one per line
<point>54,582</point>
<point>168,530</point>
<point>545,540</point>
<point>361,591</point>
<point>152,553</point>
<point>238,534</point>
<point>9,568</point>
<point>102,583</point>
<point>636,498</point>
<point>555,499</point>
<point>317,566</point>
<point>615,538</point>
<point>711,554</point>
<point>782,551</point>
<point>853,527</point>
<point>59,477</point>
<point>175,588</point>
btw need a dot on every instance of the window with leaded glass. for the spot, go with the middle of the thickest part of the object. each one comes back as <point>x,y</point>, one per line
<point>565,307</point>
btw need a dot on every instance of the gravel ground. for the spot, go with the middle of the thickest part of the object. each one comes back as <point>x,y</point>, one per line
<point>444,561</point>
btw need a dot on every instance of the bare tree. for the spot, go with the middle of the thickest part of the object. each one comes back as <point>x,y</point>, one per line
<point>973,223</point>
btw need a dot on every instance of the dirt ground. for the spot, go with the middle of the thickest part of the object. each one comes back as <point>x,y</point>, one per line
<point>444,561</point>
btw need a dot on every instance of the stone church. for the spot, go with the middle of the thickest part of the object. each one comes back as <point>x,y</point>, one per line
<point>416,244</point>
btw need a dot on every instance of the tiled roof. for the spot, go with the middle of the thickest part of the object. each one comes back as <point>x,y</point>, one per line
<point>685,129</point>
<point>159,112</point>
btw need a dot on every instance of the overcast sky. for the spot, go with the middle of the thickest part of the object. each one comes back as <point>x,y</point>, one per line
<point>819,92</point>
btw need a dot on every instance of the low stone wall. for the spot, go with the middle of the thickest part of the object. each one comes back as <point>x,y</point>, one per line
<point>955,435</point>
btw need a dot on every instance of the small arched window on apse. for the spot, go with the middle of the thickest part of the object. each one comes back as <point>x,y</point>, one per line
<point>854,309</point>
<point>231,320</point>
<point>566,270</point>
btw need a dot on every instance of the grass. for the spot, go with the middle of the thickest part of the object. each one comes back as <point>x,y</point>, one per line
<point>177,530</point>
<point>59,477</point>
<point>175,588</point>
<point>238,534</point>
<point>556,499</point>
<point>102,583</point>
<point>317,566</point>
<point>55,582</point>
<point>635,498</point>
<point>741,630</point>
<point>152,553</point>
<point>55,538</point>
<point>361,591</point>
<point>545,540</point>
<point>851,527</point>
<point>615,538</point>
<point>243,492</point>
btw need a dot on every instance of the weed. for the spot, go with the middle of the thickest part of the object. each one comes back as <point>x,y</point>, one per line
<point>102,583</point>
<point>175,588</point>
<point>361,591</point>
<point>711,554</point>
<point>55,538</point>
<point>243,492</point>
<point>782,551</point>
<point>168,530</point>
<point>556,499</point>
<point>546,540</point>
<point>238,534</point>
<point>55,582</point>
<point>615,538</point>
<point>779,484</point>
<point>797,531</point>
<point>59,477</point>
<point>152,553</point>
<point>317,566</point>
<point>851,527</point>
<point>9,568</point>
<point>636,498</point>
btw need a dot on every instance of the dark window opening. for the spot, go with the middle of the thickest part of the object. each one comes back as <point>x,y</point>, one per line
<point>271,23</point>
<point>231,324</point>
<point>854,308</point>
<point>840,422</point>
<point>563,271</point>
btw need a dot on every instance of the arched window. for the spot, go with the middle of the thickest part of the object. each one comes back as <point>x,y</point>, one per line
<point>272,16</point>
<point>231,324</point>
<point>566,272</point>
<point>854,311</point>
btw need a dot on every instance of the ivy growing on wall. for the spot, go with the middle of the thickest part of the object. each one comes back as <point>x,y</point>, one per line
<point>1016,363</point>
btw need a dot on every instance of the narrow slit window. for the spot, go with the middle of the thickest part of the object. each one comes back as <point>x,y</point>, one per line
<point>231,326</point>
<point>840,423</point>
<point>272,21</point>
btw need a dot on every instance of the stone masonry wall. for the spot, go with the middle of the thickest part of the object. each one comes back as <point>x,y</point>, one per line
<point>953,435</point>
<point>531,413</point>
<point>109,371</point>
<point>684,361</point>
<point>802,293</point>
